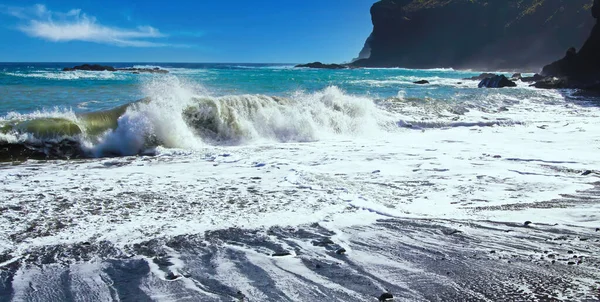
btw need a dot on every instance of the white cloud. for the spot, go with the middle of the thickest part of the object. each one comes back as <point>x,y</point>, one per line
<point>40,22</point>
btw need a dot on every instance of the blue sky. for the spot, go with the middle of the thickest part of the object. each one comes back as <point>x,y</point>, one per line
<point>270,31</point>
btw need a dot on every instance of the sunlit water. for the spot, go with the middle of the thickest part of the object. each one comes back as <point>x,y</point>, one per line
<point>207,172</point>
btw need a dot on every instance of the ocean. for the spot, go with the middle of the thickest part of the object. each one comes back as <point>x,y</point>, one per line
<point>264,182</point>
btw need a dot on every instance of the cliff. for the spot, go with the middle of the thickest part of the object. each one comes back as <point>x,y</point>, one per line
<point>584,64</point>
<point>477,34</point>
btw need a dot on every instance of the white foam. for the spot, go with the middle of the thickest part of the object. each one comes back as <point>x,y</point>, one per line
<point>182,115</point>
<point>71,75</point>
<point>347,167</point>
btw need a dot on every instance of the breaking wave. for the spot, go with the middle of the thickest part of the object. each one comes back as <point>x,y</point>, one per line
<point>179,115</point>
<point>176,114</point>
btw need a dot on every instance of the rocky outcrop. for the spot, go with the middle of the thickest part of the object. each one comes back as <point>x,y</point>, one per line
<point>578,69</point>
<point>88,67</point>
<point>492,35</point>
<point>319,65</point>
<point>96,67</point>
<point>498,81</point>
<point>583,64</point>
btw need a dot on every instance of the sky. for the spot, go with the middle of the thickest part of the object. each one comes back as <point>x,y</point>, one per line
<point>242,31</point>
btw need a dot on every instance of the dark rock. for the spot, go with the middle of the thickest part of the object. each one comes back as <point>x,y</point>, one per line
<point>240,296</point>
<point>430,34</point>
<point>516,77</point>
<point>571,53</point>
<point>172,276</point>
<point>579,69</point>
<point>571,263</point>
<point>482,76</point>
<point>586,173</point>
<point>88,67</point>
<point>96,67</point>
<point>552,83</point>
<point>496,82</point>
<point>324,242</point>
<point>320,65</point>
<point>386,297</point>
<point>597,229</point>
<point>534,78</point>
<point>281,254</point>
<point>527,223</point>
<point>450,232</point>
<point>570,252</point>
<point>421,82</point>
<point>340,251</point>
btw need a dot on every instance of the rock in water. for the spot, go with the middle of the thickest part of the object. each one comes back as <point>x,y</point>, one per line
<point>88,67</point>
<point>281,254</point>
<point>386,297</point>
<point>319,65</point>
<point>341,251</point>
<point>496,82</point>
<point>552,83</point>
<point>172,276</point>
<point>534,78</point>
<point>421,82</point>
<point>482,76</point>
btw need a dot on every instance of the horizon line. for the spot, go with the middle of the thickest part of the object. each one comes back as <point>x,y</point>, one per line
<point>147,62</point>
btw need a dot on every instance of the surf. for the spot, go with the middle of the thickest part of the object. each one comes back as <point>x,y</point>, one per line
<point>184,115</point>
<point>175,115</point>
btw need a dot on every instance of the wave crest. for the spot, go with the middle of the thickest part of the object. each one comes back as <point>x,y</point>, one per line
<point>178,115</point>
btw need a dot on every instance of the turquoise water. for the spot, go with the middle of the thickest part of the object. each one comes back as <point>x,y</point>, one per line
<point>228,178</point>
<point>94,114</point>
<point>33,86</point>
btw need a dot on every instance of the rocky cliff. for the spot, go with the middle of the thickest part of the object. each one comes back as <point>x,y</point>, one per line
<point>478,34</point>
<point>584,64</point>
